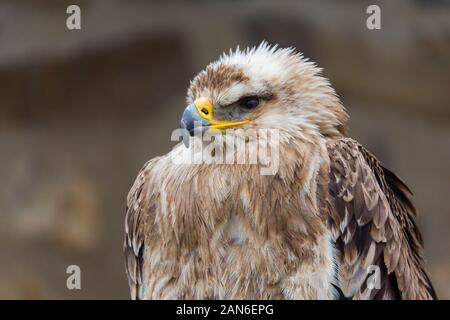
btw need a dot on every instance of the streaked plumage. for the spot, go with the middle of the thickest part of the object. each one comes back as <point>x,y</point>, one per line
<point>198,231</point>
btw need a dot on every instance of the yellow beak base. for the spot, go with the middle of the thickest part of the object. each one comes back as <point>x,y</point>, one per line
<point>205,109</point>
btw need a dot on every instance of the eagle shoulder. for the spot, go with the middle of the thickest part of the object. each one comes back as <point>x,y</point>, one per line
<point>372,220</point>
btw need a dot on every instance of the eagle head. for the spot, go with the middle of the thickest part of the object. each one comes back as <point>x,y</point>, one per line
<point>264,87</point>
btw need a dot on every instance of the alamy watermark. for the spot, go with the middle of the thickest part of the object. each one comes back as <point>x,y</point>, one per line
<point>73,281</point>
<point>230,147</point>
<point>73,21</point>
<point>373,21</point>
<point>373,277</point>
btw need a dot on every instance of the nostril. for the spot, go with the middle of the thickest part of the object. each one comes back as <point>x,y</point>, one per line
<point>205,111</point>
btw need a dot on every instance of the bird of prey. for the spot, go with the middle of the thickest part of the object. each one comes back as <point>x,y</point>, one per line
<point>323,226</point>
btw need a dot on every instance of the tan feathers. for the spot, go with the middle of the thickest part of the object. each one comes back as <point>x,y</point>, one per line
<point>203,231</point>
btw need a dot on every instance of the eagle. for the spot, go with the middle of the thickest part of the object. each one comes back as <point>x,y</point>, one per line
<point>330,223</point>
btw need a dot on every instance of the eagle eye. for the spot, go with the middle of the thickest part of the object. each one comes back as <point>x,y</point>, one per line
<point>249,103</point>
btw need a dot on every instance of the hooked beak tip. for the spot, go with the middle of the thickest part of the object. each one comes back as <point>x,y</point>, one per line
<point>191,119</point>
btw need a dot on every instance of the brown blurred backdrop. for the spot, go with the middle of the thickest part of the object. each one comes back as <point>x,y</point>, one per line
<point>81,111</point>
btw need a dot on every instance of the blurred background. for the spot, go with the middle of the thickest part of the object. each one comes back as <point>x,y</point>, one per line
<point>81,111</point>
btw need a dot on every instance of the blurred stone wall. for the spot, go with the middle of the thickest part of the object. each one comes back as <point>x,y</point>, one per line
<point>81,111</point>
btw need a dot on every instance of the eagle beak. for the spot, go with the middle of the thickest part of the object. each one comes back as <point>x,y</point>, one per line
<point>200,115</point>
<point>191,120</point>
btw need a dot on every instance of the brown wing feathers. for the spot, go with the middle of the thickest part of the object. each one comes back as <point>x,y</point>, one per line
<point>134,232</point>
<point>372,222</point>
